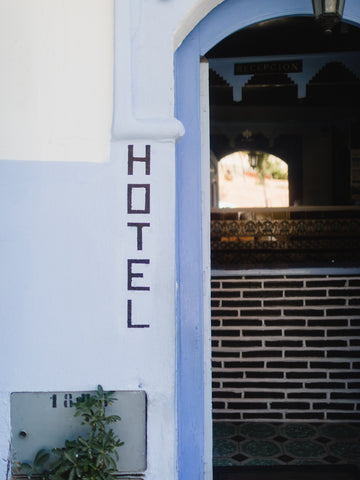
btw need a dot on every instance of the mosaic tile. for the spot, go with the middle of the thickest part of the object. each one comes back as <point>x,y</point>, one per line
<point>239,457</point>
<point>286,443</point>
<point>224,448</point>
<point>298,430</point>
<point>346,449</point>
<point>340,431</point>
<point>331,459</point>
<point>303,461</point>
<point>323,439</point>
<point>261,448</point>
<point>223,429</point>
<point>285,458</point>
<point>262,461</point>
<point>258,430</point>
<point>224,462</point>
<point>304,448</point>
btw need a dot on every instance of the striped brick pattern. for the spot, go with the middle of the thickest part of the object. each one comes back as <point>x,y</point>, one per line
<point>286,348</point>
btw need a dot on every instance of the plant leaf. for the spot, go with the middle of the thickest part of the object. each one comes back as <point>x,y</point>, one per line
<point>72,474</point>
<point>41,457</point>
<point>25,467</point>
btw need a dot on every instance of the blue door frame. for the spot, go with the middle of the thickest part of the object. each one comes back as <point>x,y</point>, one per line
<point>228,17</point>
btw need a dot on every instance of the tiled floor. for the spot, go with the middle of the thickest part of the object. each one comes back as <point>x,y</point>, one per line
<point>286,443</point>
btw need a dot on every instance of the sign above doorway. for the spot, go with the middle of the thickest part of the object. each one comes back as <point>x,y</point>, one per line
<point>286,66</point>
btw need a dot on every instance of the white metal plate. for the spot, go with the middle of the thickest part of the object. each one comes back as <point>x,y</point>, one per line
<point>46,420</point>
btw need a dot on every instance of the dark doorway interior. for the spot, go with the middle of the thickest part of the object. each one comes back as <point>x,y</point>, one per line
<point>285,88</point>
<point>264,337</point>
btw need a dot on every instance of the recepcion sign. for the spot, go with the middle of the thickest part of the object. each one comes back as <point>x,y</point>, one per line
<point>46,420</point>
<point>286,66</point>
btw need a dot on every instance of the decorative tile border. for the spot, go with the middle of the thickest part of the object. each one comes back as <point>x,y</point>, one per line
<point>286,444</point>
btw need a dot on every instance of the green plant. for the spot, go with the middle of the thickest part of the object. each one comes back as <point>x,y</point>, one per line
<point>278,169</point>
<point>273,166</point>
<point>90,458</point>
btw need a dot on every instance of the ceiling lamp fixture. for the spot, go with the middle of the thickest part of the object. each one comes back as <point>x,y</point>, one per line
<point>328,12</point>
<point>253,159</point>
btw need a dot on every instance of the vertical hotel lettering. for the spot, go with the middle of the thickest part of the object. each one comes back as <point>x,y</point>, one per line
<point>138,203</point>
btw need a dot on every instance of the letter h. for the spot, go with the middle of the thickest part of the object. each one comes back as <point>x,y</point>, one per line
<point>132,159</point>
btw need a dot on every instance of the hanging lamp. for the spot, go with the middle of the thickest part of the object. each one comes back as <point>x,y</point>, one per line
<point>253,159</point>
<point>328,12</point>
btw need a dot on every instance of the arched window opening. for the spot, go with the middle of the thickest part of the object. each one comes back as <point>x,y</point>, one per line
<point>248,179</point>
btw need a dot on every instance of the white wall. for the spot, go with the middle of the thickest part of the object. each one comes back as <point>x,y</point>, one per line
<point>56,79</point>
<point>56,85</point>
<point>63,288</point>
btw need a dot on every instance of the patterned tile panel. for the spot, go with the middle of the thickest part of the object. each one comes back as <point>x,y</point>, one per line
<point>286,444</point>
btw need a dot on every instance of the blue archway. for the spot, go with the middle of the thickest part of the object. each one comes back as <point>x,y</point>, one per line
<point>228,17</point>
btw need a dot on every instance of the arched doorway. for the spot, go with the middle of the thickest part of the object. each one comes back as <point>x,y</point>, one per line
<point>249,180</point>
<point>228,17</point>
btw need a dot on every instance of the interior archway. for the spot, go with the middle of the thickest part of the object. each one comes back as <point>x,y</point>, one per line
<point>242,185</point>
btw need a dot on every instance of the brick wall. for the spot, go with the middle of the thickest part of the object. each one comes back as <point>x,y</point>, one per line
<point>286,348</point>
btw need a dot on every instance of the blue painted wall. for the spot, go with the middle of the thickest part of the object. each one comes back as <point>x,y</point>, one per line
<point>189,267</point>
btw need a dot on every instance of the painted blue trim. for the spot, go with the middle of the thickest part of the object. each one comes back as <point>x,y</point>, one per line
<point>232,15</point>
<point>190,380</point>
<point>352,12</point>
<point>225,19</point>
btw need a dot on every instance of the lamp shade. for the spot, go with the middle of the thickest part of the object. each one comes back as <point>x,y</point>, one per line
<point>329,8</point>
